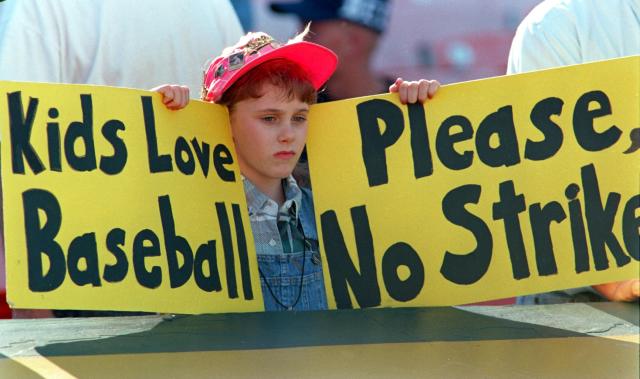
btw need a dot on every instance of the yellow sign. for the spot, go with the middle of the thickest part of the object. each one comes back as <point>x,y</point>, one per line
<point>494,188</point>
<point>113,202</point>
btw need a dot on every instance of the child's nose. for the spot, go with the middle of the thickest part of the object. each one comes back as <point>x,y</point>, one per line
<point>286,133</point>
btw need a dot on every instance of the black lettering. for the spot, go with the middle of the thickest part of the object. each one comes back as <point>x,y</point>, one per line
<point>114,164</point>
<point>402,254</point>
<point>53,142</point>
<point>578,234</point>
<point>41,240</point>
<point>466,268</point>
<point>118,271</point>
<point>630,227</point>
<point>445,141</point>
<point>186,165</point>
<point>202,153</point>
<point>207,253</point>
<point>541,218</point>
<point>229,260</point>
<point>583,120</point>
<point>20,126</point>
<point>173,243</point>
<point>600,221</point>
<point>242,252</point>
<point>507,209</point>
<point>541,119</point>
<point>364,284</point>
<point>499,124</point>
<point>157,163</point>
<point>84,248</point>
<point>374,141</point>
<point>221,157</point>
<point>422,161</point>
<point>146,278</point>
<point>81,131</point>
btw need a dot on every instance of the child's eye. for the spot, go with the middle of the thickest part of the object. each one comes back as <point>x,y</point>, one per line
<point>299,118</point>
<point>268,118</point>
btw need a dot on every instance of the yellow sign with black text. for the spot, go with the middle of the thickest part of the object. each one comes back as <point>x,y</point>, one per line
<point>494,188</point>
<point>114,202</point>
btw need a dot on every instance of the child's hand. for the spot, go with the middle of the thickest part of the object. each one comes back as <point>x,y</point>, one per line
<point>626,290</point>
<point>173,96</point>
<point>413,91</point>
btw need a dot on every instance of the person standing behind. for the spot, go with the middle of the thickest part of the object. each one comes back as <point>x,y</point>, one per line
<point>352,29</point>
<point>565,32</point>
<point>117,42</point>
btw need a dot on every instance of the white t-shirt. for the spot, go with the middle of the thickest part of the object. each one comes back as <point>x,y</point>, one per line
<point>128,43</point>
<point>565,32</point>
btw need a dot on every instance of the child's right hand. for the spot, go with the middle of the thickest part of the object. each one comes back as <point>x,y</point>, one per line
<point>626,290</point>
<point>174,96</point>
<point>411,92</point>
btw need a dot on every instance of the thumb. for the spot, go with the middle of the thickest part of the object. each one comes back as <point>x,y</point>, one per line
<point>395,86</point>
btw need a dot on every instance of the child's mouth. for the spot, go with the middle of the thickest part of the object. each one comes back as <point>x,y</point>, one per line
<point>284,154</point>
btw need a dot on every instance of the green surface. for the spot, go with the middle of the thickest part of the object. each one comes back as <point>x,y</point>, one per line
<point>282,330</point>
<point>567,340</point>
<point>629,312</point>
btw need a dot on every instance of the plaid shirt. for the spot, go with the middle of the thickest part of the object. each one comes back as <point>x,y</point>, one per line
<point>275,229</point>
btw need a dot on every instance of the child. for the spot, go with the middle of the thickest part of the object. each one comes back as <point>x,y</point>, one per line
<point>268,89</point>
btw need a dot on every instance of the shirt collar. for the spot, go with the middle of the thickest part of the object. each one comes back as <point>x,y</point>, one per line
<point>259,203</point>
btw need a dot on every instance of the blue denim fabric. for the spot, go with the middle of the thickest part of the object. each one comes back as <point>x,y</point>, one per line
<point>281,260</point>
<point>283,274</point>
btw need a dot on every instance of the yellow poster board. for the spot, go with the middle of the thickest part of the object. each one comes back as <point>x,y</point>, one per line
<point>114,202</point>
<point>494,188</point>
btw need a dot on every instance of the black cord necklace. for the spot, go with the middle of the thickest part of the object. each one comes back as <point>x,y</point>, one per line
<point>304,259</point>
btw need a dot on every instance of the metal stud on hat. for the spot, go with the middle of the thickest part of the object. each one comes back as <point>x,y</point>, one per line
<point>236,60</point>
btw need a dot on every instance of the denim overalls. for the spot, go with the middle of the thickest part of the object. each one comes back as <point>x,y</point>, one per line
<point>283,237</point>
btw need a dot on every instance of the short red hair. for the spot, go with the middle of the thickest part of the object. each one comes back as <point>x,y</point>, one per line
<point>281,73</point>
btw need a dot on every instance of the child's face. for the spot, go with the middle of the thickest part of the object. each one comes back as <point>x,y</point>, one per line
<point>269,134</point>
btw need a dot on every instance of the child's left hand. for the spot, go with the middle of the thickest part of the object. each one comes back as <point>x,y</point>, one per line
<point>413,91</point>
<point>173,96</point>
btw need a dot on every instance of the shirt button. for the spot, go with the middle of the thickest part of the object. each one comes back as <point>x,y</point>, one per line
<point>272,242</point>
